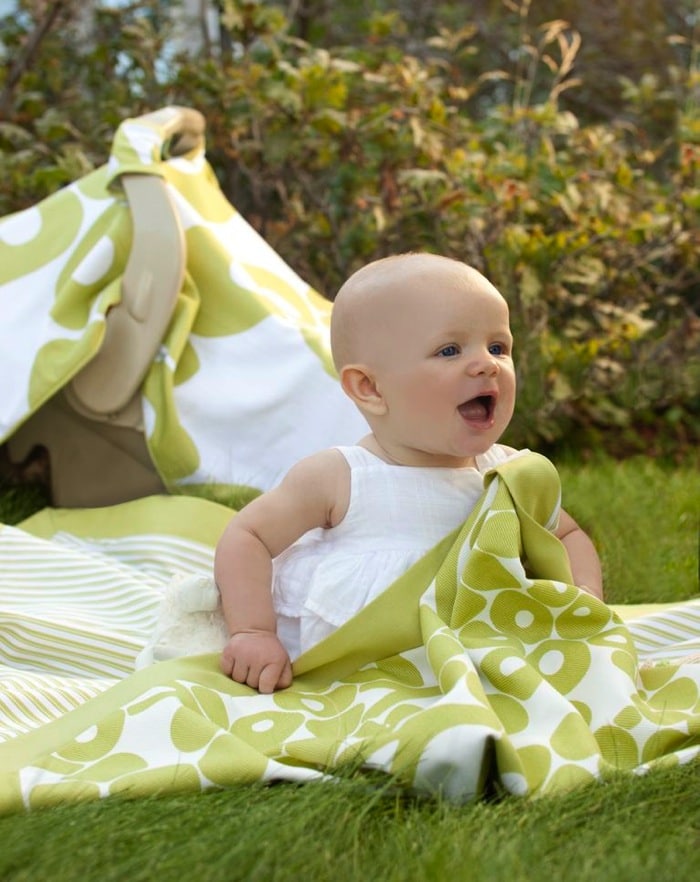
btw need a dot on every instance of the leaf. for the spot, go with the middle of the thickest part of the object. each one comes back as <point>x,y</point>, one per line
<point>587,270</point>
<point>530,286</point>
<point>15,135</point>
<point>420,178</point>
<point>559,387</point>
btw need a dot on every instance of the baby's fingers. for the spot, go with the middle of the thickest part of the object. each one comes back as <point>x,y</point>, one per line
<point>227,661</point>
<point>236,668</point>
<point>285,679</point>
<point>274,676</point>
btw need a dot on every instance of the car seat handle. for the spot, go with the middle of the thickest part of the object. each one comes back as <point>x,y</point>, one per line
<point>153,276</point>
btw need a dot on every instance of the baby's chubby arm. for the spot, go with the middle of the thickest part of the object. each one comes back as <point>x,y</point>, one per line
<point>314,493</point>
<point>583,558</point>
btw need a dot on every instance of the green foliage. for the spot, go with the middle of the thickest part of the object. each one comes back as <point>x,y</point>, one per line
<point>409,137</point>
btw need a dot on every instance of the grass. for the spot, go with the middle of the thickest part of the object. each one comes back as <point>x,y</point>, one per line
<point>644,518</point>
<point>635,829</point>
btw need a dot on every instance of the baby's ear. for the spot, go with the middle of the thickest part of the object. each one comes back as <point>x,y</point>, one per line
<point>359,384</point>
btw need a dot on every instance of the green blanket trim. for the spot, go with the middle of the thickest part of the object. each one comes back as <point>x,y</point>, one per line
<point>189,517</point>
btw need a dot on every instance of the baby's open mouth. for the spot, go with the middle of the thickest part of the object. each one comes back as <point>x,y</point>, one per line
<point>479,409</point>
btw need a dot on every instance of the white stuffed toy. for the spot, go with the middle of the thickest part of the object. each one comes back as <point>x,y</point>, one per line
<point>190,621</point>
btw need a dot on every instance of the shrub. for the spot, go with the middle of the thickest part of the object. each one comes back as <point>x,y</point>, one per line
<point>339,155</point>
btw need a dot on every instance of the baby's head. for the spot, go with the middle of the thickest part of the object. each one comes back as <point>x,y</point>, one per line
<point>423,347</point>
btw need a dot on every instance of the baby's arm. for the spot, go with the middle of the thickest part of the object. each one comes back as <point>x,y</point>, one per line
<point>313,494</point>
<point>584,560</point>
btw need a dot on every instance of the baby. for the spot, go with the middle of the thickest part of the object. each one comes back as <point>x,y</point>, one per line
<point>423,347</point>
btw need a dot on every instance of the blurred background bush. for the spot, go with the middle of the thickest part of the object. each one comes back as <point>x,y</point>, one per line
<point>553,145</point>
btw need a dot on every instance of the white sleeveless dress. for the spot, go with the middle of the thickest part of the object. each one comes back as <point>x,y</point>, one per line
<point>395,515</point>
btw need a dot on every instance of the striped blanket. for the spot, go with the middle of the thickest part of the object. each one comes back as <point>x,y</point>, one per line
<point>472,672</point>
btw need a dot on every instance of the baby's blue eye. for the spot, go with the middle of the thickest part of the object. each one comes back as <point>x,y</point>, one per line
<point>497,349</point>
<point>449,351</point>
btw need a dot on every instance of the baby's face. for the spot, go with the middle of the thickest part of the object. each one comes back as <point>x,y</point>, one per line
<point>444,368</point>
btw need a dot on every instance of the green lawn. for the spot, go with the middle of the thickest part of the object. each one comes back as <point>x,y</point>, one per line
<point>644,519</point>
<point>627,829</point>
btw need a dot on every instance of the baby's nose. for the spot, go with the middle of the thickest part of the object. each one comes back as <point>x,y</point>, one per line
<point>485,366</point>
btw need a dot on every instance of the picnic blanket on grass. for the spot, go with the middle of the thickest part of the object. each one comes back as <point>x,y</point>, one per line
<point>483,668</point>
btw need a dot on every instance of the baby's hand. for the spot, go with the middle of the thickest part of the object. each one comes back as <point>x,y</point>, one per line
<point>258,659</point>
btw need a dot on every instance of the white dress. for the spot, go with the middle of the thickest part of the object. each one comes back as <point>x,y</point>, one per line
<point>395,515</point>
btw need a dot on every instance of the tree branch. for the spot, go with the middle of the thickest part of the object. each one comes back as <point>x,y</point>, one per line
<point>26,55</point>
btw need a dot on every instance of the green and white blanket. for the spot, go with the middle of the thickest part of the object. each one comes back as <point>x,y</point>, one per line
<point>472,673</point>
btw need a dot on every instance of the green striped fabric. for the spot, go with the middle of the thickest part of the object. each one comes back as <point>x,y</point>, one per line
<point>77,607</point>
<point>668,632</point>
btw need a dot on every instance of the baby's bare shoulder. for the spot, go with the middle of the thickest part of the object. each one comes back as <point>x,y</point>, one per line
<point>322,478</point>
